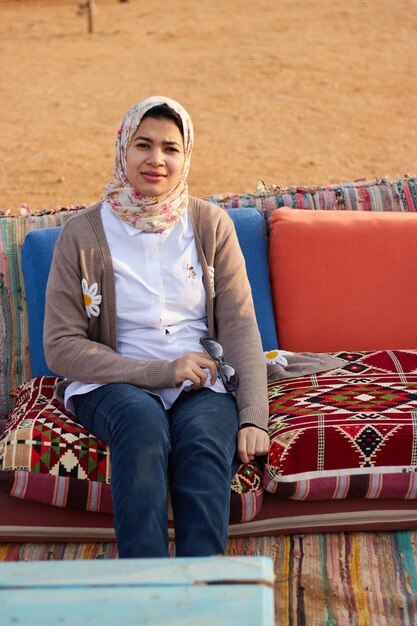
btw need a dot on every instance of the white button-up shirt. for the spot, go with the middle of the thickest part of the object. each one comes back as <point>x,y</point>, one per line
<point>160,297</point>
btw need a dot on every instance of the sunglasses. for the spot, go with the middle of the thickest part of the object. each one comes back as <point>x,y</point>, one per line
<point>227,372</point>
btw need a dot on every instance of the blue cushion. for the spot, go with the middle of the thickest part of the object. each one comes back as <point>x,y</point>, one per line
<point>38,249</point>
<point>37,252</point>
<point>250,228</point>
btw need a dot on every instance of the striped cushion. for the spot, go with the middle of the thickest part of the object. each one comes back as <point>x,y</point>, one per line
<point>382,194</point>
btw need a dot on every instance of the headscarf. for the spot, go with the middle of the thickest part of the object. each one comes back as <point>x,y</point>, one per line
<point>148,213</point>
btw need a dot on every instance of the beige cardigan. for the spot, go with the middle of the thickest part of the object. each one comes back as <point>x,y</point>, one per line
<point>81,348</point>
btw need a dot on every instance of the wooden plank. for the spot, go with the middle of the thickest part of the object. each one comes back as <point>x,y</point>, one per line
<point>215,605</point>
<point>211,591</point>
<point>136,571</point>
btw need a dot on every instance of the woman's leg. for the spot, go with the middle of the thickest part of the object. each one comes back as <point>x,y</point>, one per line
<point>204,428</point>
<point>135,426</point>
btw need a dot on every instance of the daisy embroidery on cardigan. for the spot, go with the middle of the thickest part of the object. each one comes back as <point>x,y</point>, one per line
<point>91,299</point>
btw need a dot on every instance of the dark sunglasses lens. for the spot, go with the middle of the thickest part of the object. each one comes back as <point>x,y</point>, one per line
<point>213,347</point>
<point>229,376</point>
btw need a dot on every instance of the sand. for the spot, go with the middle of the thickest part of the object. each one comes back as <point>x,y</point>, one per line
<point>291,92</point>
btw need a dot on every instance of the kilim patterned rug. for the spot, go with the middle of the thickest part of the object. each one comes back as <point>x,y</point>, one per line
<point>334,579</point>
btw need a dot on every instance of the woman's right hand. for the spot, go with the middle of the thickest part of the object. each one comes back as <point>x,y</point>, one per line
<point>191,367</point>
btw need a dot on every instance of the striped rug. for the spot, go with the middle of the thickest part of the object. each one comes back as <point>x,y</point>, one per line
<point>335,579</point>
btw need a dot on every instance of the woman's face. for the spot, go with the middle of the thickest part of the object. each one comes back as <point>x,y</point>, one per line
<point>155,157</point>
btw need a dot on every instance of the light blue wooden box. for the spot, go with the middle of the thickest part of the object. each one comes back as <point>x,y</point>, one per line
<point>211,591</point>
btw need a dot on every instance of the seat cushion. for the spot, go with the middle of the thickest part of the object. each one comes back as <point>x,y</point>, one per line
<point>349,433</point>
<point>343,280</point>
<point>46,456</point>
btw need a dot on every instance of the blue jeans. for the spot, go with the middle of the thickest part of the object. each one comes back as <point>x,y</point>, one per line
<point>191,446</point>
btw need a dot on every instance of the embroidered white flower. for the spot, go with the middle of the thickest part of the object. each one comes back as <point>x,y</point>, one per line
<point>277,357</point>
<point>190,271</point>
<point>91,299</point>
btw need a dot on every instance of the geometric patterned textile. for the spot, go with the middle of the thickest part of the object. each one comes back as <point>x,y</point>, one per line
<point>14,355</point>
<point>48,457</point>
<point>348,433</point>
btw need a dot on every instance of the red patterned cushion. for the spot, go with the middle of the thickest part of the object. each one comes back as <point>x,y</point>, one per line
<point>350,433</point>
<point>46,456</point>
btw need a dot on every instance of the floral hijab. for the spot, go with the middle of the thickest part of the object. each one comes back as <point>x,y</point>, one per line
<point>147,213</point>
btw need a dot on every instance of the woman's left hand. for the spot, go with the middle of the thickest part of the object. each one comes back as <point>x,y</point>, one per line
<point>251,442</point>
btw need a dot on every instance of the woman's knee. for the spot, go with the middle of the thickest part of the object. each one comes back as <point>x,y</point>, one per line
<point>204,445</point>
<point>124,412</point>
<point>208,424</point>
<point>141,421</point>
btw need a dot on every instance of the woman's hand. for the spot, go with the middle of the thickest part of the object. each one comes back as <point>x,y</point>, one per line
<point>191,367</point>
<point>251,442</point>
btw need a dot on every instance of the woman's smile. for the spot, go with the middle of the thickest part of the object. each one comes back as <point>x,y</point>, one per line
<point>152,176</point>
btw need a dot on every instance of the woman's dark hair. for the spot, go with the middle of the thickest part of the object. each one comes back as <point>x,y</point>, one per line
<point>163,111</point>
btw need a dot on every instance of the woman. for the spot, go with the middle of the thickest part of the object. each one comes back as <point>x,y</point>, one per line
<point>136,282</point>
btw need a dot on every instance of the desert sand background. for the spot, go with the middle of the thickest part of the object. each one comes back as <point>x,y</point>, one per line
<point>288,91</point>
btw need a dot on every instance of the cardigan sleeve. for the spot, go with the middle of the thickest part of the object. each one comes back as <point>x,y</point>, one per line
<point>72,349</point>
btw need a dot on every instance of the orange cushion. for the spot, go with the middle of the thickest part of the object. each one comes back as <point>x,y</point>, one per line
<point>344,280</point>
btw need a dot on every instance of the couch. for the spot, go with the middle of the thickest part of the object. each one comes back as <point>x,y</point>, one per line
<point>331,270</point>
